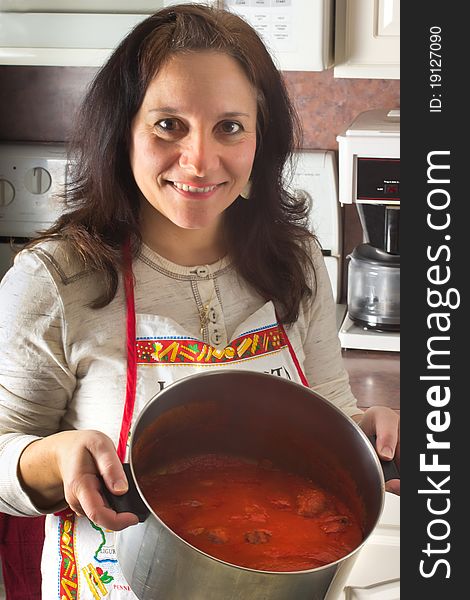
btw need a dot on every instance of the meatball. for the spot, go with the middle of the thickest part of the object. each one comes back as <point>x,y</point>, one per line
<point>258,536</point>
<point>217,535</point>
<point>311,503</point>
<point>335,524</point>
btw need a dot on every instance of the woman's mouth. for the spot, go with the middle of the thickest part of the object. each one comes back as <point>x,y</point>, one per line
<point>185,187</point>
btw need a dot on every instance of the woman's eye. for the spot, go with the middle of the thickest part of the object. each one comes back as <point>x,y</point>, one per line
<point>230,127</point>
<point>168,125</point>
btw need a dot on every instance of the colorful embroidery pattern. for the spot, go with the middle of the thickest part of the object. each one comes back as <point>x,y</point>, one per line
<point>95,584</point>
<point>104,553</point>
<point>68,580</point>
<point>96,578</point>
<point>181,350</point>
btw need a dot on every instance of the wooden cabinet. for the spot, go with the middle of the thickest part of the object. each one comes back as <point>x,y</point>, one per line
<point>367,39</point>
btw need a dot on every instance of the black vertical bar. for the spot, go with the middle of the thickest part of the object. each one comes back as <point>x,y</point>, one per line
<point>434,258</point>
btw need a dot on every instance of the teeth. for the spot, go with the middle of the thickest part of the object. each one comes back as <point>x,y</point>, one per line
<point>190,188</point>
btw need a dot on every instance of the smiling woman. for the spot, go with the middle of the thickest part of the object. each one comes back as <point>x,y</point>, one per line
<point>192,156</point>
<point>159,268</point>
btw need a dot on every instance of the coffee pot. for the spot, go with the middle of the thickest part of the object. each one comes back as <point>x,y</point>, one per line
<point>374,288</point>
<point>374,270</point>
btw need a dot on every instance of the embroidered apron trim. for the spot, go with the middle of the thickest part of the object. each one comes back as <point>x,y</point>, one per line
<point>178,350</point>
<point>96,577</point>
<point>68,577</point>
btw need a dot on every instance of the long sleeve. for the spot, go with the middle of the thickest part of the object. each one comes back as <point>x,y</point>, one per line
<point>35,380</point>
<point>323,362</point>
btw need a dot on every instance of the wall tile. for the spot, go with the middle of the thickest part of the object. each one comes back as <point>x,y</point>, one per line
<point>328,105</point>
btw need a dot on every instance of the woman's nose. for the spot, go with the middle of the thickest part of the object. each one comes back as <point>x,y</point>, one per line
<point>200,155</point>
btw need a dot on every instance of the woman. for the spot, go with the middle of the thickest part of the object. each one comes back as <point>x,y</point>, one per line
<point>178,225</point>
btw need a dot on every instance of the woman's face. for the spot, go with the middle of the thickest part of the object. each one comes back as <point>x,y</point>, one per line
<point>193,139</point>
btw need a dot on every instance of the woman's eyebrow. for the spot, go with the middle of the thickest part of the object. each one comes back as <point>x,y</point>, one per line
<point>164,109</point>
<point>173,111</point>
<point>229,115</point>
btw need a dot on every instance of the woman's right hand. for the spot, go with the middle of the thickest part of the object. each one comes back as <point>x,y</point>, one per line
<point>67,465</point>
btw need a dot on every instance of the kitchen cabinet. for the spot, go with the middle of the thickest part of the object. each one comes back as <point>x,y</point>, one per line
<point>367,39</point>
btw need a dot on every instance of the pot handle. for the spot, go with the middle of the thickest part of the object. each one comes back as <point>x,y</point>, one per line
<point>389,467</point>
<point>131,501</point>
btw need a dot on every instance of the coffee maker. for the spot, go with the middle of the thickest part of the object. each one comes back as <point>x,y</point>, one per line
<point>369,177</point>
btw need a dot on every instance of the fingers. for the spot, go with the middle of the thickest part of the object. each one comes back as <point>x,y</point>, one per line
<point>393,486</point>
<point>385,424</point>
<point>387,432</point>
<point>97,510</point>
<point>107,463</point>
<point>85,456</point>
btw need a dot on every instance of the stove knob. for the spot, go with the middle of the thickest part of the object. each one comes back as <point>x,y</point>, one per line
<point>7,192</point>
<point>37,180</point>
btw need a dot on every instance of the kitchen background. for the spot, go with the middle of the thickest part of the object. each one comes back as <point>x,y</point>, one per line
<point>38,103</point>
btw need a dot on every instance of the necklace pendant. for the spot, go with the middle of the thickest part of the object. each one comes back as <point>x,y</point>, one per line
<point>204,317</point>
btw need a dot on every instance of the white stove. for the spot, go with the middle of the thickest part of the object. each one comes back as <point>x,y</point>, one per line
<point>32,177</point>
<point>376,573</point>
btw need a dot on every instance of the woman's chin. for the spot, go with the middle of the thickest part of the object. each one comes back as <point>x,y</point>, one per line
<point>197,222</point>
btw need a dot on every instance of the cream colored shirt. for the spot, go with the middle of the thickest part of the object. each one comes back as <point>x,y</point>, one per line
<point>63,364</point>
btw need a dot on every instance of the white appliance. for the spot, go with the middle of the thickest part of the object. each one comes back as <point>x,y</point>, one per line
<point>299,33</point>
<point>32,177</point>
<point>316,175</point>
<point>373,136</point>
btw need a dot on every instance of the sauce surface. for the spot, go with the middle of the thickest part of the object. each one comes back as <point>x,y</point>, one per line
<point>251,514</point>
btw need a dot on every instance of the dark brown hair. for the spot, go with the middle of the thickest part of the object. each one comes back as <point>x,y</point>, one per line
<point>266,234</point>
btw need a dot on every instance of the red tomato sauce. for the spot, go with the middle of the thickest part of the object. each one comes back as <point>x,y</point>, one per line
<point>252,514</point>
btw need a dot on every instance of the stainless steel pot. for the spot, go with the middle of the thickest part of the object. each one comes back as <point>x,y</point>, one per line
<point>252,414</point>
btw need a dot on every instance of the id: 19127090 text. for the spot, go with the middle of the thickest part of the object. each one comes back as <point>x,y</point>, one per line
<point>435,69</point>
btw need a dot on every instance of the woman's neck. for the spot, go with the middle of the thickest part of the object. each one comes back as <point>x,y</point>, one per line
<point>185,247</point>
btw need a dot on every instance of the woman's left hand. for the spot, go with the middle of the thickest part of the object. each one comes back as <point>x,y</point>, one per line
<point>384,423</point>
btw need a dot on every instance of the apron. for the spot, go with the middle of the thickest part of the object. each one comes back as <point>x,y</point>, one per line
<point>79,560</point>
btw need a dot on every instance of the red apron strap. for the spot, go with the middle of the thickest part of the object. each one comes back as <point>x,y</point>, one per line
<point>131,352</point>
<point>303,379</point>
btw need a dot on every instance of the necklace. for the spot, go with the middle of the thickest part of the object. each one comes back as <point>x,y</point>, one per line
<point>204,312</point>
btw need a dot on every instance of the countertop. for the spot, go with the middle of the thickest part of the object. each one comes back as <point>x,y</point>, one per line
<point>374,377</point>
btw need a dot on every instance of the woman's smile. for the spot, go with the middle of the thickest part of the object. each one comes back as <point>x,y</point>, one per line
<point>194,190</point>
